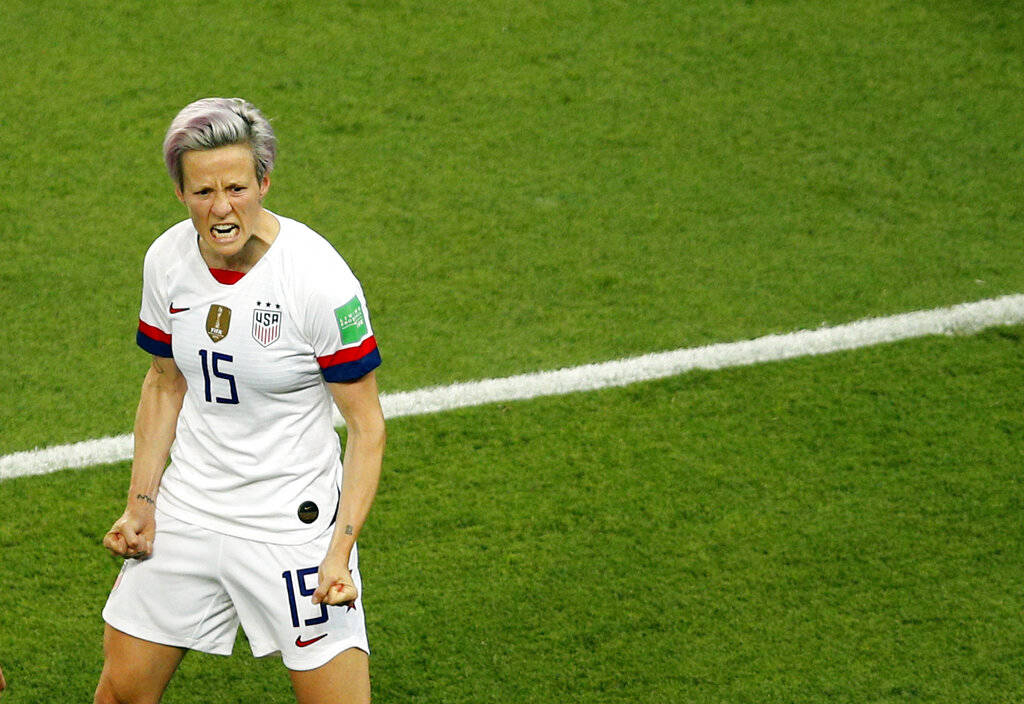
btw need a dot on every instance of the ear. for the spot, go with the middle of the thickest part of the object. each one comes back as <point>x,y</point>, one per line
<point>177,192</point>
<point>264,185</point>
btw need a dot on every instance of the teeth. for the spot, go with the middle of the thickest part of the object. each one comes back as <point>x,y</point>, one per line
<point>223,229</point>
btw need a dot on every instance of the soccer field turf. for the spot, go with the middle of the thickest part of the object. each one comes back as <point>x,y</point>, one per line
<point>782,533</point>
<point>525,187</point>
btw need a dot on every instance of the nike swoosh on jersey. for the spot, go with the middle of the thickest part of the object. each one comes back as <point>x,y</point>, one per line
<point>303,643</point>
<point>177,310</point>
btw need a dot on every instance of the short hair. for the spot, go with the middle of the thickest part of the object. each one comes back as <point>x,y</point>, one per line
<point>217,122</point>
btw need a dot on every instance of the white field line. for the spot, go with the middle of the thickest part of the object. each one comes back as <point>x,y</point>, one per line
<point>966,318</point>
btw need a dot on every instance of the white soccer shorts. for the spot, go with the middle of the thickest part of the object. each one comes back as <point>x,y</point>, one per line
<point>199,585</point>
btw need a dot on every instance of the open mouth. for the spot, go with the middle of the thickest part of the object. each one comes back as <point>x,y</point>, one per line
<point>224,232</point>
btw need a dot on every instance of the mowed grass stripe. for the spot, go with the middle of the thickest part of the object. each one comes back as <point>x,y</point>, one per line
<point>965,318</point>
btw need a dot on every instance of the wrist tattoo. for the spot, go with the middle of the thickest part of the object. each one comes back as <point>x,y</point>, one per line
<point>349,530</point>
<point>145,498</point>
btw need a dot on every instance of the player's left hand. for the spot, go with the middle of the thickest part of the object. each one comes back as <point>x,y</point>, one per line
<point>336,586</point>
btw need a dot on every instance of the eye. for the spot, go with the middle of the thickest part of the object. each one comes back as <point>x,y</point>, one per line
<point>202,192</point>
<point>237,189</point>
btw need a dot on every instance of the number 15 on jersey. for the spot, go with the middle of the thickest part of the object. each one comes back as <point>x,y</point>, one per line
<point>214,364</point>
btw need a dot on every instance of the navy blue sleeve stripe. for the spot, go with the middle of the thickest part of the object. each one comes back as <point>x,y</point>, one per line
<point>351,371</point>
<point>154,347</point>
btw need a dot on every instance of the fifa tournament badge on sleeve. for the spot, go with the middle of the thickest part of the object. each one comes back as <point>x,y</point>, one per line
<point>351,322</point>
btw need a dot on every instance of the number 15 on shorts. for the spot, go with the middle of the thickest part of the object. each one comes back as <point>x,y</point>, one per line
<point>304,590</point>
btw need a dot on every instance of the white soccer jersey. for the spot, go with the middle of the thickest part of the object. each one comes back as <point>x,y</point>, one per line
<point>256,454</point>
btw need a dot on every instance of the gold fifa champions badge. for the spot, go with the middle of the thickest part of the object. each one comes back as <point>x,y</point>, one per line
<point>218,321</point>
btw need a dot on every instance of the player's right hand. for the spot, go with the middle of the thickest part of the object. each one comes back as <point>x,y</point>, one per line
<point>131,536</point>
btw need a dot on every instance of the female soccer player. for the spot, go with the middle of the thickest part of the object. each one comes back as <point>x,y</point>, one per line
<point>255,325</point>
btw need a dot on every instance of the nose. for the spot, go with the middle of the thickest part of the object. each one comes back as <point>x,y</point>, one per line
<point>221,205</point>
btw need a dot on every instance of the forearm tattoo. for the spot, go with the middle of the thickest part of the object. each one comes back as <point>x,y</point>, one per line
<point>145,498</point>
<point>349,530</point>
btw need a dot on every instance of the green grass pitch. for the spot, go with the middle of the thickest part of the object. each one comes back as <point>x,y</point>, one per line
<point>526,186</point>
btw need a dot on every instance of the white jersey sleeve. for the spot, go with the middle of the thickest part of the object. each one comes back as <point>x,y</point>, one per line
<point>154,333</point>
<point>337,321</point>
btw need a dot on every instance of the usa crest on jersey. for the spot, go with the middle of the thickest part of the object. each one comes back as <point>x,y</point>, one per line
<point>266,325</point>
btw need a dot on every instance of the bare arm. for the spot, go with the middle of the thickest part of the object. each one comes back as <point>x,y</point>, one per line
<point>359,404</point>
<point>163,392</point>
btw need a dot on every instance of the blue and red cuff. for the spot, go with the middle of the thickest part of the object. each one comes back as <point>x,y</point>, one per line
<point>153,340</point>
<point>352,363</point>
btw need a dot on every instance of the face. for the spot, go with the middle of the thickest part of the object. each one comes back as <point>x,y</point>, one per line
<point>223,197</point>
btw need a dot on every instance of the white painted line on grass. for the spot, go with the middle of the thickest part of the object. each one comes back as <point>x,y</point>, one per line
<point>966,318</point>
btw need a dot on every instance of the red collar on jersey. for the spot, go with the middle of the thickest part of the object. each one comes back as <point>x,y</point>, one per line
<point>226,276</point>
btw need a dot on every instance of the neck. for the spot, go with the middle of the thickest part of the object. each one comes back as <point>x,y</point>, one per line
<point>250,253</point>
